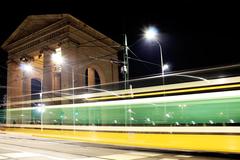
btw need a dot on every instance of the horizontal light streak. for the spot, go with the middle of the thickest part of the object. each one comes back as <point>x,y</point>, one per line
<point>208,129</point>
<point>138,91</point>
<point>171,92</point>
<point>154,100</point>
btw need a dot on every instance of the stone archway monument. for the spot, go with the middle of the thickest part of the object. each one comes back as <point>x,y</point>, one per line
<point>82,47</point>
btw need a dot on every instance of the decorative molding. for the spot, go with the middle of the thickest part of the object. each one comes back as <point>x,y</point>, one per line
<point>41,32</point>
<point>39,40</point>
<point>46,49</point>
<point>67,30</point>
<point>66,21</point>
<point>36,46</point>
<point>13,60</point>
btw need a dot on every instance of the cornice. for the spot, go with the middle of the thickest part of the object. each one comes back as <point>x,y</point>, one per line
<point>51,28</point>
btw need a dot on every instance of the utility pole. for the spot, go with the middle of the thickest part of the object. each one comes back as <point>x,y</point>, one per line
<point>125,68</point>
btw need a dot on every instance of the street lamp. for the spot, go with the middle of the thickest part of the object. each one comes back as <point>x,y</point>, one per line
<point>151,34</point>
<point>26,67</point>
<point>57,57</point>
<point>166,67</point>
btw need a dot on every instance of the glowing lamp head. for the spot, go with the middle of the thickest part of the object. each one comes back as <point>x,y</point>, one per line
<point>151,33</point>
<point>57,58</point>
<point>26,67</point>
<point>166,67</point>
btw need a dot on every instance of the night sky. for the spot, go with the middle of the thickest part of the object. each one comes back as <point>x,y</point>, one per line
<point>192,34</point>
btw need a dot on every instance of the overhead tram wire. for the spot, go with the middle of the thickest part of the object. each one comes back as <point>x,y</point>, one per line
<point>140,60</point>
<point>184,72</point>
<point>134,43</point>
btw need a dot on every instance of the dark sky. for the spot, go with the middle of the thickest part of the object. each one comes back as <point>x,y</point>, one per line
<point>194,34</point>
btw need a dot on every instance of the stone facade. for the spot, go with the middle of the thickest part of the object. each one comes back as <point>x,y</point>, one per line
<point>82,47</point>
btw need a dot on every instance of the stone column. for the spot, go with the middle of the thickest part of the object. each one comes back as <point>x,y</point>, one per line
<point>91,77</point>
<point>14,84</point>
<point>48,74</point>
<point>115,73</point>
<point>69,69</point>
<point>14,80</point>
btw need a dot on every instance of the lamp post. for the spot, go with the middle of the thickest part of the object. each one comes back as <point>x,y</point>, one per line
<point>161,57</point>
<point>151,34</point>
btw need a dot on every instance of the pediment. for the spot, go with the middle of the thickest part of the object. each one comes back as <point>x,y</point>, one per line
<point>37,23</point>
<point>31,25</point>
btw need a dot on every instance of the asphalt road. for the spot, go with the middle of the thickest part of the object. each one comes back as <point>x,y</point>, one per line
<point>24,147</point>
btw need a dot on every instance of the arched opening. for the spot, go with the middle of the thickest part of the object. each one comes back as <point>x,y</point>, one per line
<point>92,77</point>
<point>36,86</point>
<point>35,89</point>
<point>86,77</point>
<point>97,78</point>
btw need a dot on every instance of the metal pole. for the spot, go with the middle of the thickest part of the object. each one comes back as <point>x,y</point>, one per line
<point>125,61</point>
<point>163,80</point>
<point>73,100</point>
<point>41,119</point>
<point>161,59</point>
<point>24,92</point>
<point>125,73</point>
<point>73,84</point>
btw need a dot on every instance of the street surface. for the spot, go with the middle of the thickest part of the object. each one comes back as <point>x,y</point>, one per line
<point>15,146</point>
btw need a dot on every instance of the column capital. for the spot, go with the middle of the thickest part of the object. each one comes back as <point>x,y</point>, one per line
<point>13,60</point>
<point>46,50</point>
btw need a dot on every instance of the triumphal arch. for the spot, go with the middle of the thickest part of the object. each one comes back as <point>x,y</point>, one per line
<point>57,52</point>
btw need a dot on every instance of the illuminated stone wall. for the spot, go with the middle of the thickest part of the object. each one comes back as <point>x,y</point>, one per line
<point>86,52</point>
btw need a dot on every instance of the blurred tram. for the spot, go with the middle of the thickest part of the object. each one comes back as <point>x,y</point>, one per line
<point>200,115</point>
